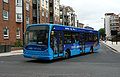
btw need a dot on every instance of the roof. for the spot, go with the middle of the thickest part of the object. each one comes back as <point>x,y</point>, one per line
<point>64,27</point>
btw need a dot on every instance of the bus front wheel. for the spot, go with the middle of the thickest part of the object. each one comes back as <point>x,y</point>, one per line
<point>91,49</point>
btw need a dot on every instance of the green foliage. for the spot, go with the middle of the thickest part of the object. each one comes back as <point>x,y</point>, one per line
<point>102,32</point>
<point>18,43</point>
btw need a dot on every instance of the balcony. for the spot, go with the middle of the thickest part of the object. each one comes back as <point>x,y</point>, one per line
<point>51,1</point>
<point>34,13</point>
<point>51,13</point>
<point>115,22</point>
<point>114,28</point>
<point>51,4</point>
<point>51,19</point>
<point>61,20</point>
<point>34,1</point>
<point>61,12</point>
<point>34,6</point>
<point>34,20</point>
<point>51,9</point>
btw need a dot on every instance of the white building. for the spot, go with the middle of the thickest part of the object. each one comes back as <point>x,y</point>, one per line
<point>107,25</point>
<point>67,16</point>
<point>54,10</point>
<point>111,23</point>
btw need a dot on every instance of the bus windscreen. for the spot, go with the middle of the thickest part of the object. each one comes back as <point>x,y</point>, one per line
<point>37,35</point>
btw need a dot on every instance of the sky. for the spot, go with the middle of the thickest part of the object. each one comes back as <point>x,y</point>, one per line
<point>91,12</point>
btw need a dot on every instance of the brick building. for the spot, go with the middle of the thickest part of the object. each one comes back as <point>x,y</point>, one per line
<point>11,19</point>
<point>10,22</point>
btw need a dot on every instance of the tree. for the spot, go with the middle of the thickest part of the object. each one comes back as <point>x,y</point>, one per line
<point>102,33</point>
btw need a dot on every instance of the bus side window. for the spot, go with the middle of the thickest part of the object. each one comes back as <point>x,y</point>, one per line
<point>67,37</point>
<point>75,37</point>
<point>86,37</point>
<point>51,39</point>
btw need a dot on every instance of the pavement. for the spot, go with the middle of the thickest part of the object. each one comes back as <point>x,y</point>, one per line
<point>113,45</point>
<point>17,52</point>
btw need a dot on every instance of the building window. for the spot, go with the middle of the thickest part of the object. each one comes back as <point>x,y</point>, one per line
<point>18,33</point>
<point>18,17</point>
<point>19,2</point>
<point>42,3</point>
<point>47,4</point>
<point>42,12</point>
<point>27,20</point>
<point>6,33</point>
<point>27,6</point>
<point>5,15</point>
<point>6,1</point>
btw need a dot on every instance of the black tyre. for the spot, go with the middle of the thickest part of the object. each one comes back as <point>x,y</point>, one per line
<point>91,49</point>
<point>67,54</point>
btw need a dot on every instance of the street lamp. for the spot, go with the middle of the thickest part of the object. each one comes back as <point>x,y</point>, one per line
<point>104,28</point>
<point>23,20</point>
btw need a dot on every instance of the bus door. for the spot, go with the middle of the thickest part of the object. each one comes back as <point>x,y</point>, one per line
<point>58,44</point>
<point>81,42</point>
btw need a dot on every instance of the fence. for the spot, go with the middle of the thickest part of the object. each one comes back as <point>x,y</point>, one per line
<point>5,48</point>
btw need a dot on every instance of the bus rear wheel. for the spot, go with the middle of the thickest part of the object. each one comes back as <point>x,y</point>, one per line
<point>67,54</point>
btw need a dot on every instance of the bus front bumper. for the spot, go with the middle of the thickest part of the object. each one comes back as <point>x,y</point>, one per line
<point>38,57</point>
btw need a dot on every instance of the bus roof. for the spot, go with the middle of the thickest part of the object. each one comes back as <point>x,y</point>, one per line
<point>64,27</point>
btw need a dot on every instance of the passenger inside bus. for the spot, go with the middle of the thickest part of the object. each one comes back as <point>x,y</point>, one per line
<point>42,38</point>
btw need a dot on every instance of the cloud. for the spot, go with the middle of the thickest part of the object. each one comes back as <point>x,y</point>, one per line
<point>91,11</point>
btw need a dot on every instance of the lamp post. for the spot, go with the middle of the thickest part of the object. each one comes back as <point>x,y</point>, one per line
<point>23,21</point>
<point>104,29</point>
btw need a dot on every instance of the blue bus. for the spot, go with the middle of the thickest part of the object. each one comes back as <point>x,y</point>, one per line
<point>53,41</point>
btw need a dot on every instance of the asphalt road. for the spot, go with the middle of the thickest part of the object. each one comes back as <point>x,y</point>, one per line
<point>106,63</point>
